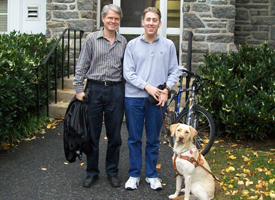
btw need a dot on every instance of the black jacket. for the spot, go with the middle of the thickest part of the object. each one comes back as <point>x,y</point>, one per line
<point>76,136</point>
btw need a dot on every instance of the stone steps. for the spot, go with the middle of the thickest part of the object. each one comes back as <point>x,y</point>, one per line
<point>64,97</point>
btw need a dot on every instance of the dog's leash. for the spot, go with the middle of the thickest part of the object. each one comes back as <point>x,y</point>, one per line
<point>165,132</point>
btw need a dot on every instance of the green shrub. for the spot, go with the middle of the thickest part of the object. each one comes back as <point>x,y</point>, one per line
<point>242,100</point>
<point>20,54</point>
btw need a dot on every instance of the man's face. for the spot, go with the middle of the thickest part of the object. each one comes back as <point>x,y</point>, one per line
<point>151,23</point>
<point>111,21</point>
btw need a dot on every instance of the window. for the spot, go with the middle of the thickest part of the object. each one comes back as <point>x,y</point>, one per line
<point>3,15</point>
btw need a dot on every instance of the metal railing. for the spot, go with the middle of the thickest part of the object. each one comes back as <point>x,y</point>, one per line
<point>52,52</point>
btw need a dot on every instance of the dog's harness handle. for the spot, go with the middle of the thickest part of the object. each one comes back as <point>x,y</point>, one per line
<point>195,162</point>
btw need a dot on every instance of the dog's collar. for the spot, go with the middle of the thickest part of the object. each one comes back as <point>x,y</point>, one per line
<point>179,154</point>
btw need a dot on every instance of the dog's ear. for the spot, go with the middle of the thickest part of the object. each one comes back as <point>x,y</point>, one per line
<point>193,133</point>
<point>173,128</point>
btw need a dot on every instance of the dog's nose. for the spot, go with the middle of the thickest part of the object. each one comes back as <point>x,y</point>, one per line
<point>181,137</point>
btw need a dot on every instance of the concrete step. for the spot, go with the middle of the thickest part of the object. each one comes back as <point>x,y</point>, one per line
<point>58,110</point>
<point>64,95</point>
<point>68,82</point>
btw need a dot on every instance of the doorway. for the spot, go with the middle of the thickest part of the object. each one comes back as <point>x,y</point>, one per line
<point>131,27</point>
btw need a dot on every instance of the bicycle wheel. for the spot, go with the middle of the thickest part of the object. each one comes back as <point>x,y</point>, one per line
<point>205,127</point>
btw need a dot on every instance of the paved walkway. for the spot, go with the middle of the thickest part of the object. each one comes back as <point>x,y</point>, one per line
<point>38,169</point>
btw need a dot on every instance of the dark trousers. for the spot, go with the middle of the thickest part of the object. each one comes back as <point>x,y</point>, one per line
<point>107,102</point>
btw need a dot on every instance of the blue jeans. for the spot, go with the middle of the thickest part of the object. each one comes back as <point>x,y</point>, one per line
<point>139,111</point>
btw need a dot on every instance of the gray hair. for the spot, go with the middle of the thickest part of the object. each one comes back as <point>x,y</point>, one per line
<point>112,7</point>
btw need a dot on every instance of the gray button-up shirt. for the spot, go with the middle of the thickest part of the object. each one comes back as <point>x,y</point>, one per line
<point>99,60</point>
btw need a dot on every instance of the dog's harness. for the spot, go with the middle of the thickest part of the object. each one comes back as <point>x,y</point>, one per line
<point>194,162</point>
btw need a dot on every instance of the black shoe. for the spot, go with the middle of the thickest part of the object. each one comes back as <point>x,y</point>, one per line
<point>114,181</point>
<point>89,181</point>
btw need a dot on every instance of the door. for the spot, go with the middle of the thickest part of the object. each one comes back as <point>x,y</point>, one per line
<point>131,27</point>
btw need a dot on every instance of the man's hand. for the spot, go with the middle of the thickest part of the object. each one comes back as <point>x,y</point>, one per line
<point>163,97</point>
<point>153,91</point>
<point>80,96</point>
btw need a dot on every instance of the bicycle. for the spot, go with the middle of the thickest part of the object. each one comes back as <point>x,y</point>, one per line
<point>191,113</point>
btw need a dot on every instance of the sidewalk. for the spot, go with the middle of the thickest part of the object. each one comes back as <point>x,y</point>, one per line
<point>38,169</point>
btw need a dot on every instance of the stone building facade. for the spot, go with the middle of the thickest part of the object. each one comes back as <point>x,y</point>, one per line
<point>218,26</point>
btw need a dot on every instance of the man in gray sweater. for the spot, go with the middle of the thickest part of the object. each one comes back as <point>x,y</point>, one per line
<point>149,61</point>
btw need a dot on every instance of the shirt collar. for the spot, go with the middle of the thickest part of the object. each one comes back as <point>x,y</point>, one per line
<point>146,41</point>
<point>100,35</point>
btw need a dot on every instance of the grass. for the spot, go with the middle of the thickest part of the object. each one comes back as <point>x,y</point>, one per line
<point>246,169</point>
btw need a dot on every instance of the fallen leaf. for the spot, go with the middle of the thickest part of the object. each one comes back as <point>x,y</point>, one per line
<point>272,194</point>
<point>246,159</point>
<point>232,157</point>
<point>29,139</point>
<point>256,154</point>
<point>43,169</point>
<point>240,183</point>
<point>245,193</point>
<point>158,166</point>
<point>66,163</point>
<point>248,183</point>
<point>81,164</point>
<point>230,169</point>
<point>105,138</point>
<point>43,131</point>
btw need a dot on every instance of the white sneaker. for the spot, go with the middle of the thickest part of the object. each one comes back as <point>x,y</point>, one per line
<point>155,183</point>
<point>132,183</point>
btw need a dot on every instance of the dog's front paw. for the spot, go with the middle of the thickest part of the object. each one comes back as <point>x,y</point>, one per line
<point>172,196</point>
<point>183,190</point>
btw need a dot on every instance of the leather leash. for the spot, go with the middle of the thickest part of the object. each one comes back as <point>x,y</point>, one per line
<point>165,132</point>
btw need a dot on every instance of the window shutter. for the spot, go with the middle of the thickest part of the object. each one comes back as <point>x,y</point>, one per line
<point>3,15</point>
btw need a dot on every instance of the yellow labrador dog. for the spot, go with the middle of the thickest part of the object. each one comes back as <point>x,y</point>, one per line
<point>187,161</point>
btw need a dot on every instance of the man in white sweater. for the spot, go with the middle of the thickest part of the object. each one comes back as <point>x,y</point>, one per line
<point>149,61</point>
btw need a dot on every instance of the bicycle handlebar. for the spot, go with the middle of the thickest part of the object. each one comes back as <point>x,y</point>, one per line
<point>198,78</point>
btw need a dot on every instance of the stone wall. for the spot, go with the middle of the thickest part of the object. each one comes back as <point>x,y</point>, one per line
<point>212,23</point>
<point>218,26</point>
<point>72,14</point>
<point>255,22</point>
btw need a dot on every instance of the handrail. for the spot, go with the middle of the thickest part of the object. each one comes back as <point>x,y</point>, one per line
<point>46,62</point>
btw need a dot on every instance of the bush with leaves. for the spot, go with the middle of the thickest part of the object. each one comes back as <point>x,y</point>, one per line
<point>20,54</point>
<point>242,100</point>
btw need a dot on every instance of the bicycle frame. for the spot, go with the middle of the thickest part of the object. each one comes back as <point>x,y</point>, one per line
<point>190,102</point>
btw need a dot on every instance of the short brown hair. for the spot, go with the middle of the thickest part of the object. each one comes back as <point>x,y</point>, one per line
<point>152,9</point>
